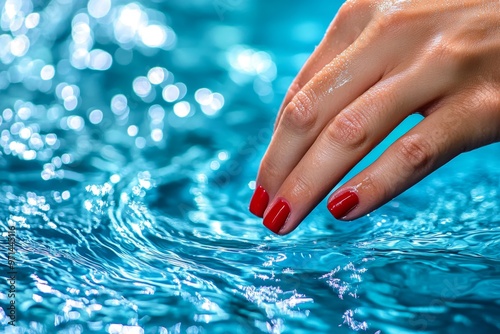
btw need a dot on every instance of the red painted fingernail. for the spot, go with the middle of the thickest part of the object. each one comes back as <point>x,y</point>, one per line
<point>259,202</point>
<point>341,205</point>
<point>277,216</point>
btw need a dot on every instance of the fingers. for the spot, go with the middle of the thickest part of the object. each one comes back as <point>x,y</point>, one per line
<point>451,129</point>
<point>347,139</point>
<point>332,89</point>
<point>334,116</point>
<point>345,28</point>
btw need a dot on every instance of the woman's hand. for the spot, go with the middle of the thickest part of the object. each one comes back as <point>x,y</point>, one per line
<point>379,62</point>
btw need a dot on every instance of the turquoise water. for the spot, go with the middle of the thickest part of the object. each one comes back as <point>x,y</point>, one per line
<point>130,136</point>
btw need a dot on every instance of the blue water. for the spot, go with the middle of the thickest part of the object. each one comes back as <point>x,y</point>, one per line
<point>130,136</point>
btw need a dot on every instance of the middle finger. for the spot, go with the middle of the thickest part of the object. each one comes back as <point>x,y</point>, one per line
<point>348,76</point>
<point>350,136</point>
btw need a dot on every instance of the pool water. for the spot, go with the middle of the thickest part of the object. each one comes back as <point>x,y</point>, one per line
<point>131,134</point>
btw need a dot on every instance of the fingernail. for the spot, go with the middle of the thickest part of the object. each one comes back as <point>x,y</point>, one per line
<point>277,216</point>
<point>341,205</point>
<point>259,201</point>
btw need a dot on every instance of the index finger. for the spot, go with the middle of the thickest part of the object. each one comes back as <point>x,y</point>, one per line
<point>345,28</point>
<point>332,89</point>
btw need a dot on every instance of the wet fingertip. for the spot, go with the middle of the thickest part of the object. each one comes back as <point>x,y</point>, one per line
<point>342,203</point>
<point>259,201</point>
<point>277,215</point>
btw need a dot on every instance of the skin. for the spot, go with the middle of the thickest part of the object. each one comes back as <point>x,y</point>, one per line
<point>379,62</point>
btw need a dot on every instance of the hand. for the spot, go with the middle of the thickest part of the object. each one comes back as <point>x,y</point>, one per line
<point>379,62</point>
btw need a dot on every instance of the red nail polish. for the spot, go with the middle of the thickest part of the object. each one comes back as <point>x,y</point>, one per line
<point>341,205</point>
<point>259,201</point>
<point>277,216</point>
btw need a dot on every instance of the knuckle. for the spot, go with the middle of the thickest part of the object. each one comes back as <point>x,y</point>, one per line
<point>355,6</point>
<point>470,103</point>
<point>347,129</point>
<point>477,100</point>
<point>415,153</point>
<point>449,56</point>
<point>351,14</point>
<point>300,114</point>
<point>345,11</point>
<point>302,187</point>
<point>485,97</point>
<point>442,53</point>
<point>389,22</point>
<point>494,98</point>
<point>351,8</point>
<point>479,110</point>
<point>270,169</point>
